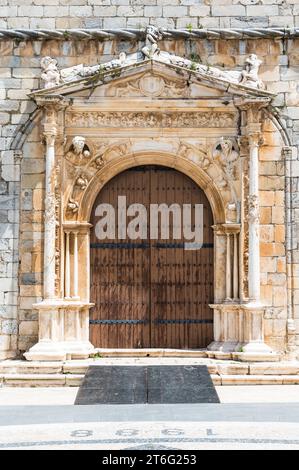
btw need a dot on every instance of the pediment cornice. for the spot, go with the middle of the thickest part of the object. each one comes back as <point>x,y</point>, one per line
<point>79,78</point>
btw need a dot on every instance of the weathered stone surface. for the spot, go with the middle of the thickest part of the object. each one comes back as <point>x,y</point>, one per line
<point>19,75</point>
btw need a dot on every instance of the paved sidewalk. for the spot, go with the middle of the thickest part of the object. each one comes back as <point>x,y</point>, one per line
<point>228,394</point>
<point>255,417</point>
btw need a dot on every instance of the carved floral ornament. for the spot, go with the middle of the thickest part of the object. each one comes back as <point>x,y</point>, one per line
<point>151,119</point>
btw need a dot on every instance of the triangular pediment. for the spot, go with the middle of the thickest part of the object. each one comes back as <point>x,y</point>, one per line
<point>161,76</point>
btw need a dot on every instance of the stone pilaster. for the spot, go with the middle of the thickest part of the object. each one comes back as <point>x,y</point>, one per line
<point>253,337</point>
<point>63,323</point>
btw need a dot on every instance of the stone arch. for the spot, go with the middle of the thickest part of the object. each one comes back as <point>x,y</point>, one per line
<point>112,168</point>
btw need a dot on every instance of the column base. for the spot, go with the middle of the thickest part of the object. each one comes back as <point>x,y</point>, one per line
<point>239,333</point>
<point>63,331</point>
<point>59,350</point>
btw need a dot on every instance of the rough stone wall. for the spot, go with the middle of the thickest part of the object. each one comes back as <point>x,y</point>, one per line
<point>22,167</point>
<point>138,13</point>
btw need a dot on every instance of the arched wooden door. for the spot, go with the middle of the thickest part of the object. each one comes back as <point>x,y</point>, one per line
<point>151,293</point>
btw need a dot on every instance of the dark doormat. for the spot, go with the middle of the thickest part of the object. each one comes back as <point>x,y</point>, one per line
<point>146,384</point>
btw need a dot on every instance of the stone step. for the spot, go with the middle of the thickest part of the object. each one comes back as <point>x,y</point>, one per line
<point>217,367</point>
<point>74,380</point>
<point>41,380</point>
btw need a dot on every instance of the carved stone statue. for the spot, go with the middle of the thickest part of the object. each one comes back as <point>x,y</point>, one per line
<point>226,155</point>
<point>153,35</point>
<point>79,151</point>
<point>50,73</point>
<point>249,75</point>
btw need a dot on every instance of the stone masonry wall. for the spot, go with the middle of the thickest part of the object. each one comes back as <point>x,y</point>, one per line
<point>22,167</point>
<point>138,13</point>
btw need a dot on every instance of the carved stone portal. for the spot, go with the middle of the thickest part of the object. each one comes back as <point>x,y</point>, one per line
<point>149,123</point>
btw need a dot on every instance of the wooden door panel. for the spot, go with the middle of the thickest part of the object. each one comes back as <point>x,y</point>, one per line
<point>152,293</point>
<point>120,275</point>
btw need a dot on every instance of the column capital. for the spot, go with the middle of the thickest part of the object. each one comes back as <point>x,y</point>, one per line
<point>246,104</point>
<point>51,105</point>
<point>57,101</point>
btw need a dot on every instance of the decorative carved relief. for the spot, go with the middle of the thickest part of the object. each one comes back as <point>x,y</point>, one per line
<point>50,73</point>
<point>98,162</point>
<point>253,209</point>
<point>153,35</point>
<point>79,152</point>
<point>81,182</point>
<point>151,119</point>
<point>226,155</point>
<point>189,151</point>
<point>249,76</point>
<point>77,72</point>
<point>50,209</point>
<point>73,206</point>
<point>151,85</point>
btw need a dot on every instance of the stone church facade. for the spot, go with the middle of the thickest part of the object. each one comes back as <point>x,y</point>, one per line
<point>88,91</point>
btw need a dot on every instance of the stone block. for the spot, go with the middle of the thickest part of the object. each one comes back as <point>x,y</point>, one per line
<point>26,72</point>
<point>27,302</point>
<point>262,10</point>
<point>279,233</point>
<point>10,172</point>
<point>34,380</point>
<point>108,11</point>
<point>175,11</point>
<point>266,198</point>
<point>278,215</point>
<point>153,11</point>
<point>277,279</point>
<point>39,23</point>
<point>251,380</point>
<point>114,22</point>
<point>232,369</point>
<point>268,368</point>
<point>228,10</point>
<point>28,328</point>
<point>199,10</point>
<point>9,327</point>
<point>31,291</point>
<point>50,11</point>
<point>268,264</point>
<point>74,380</point>
<point>265,215</point>
<point>16,23</point>
<point>279,298</point>
<point>270,153</point>
<point>33,166</point>
<point>266,233</point>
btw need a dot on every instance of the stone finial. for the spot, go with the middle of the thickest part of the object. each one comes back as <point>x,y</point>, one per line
<point>249,75</point>
<point>153,35</point>
<point>50,73</point>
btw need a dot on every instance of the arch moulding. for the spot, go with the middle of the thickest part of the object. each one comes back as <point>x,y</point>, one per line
<point>120,164</point>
